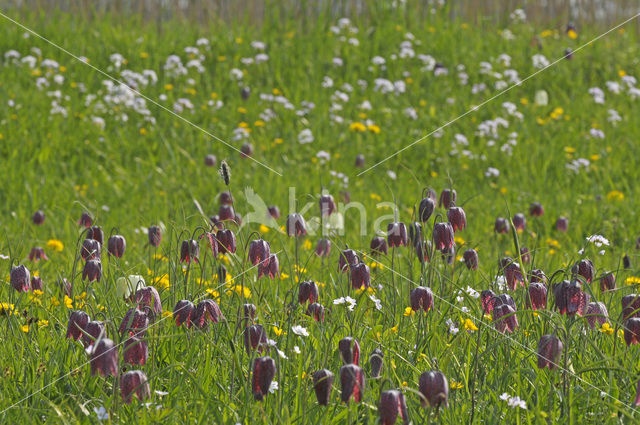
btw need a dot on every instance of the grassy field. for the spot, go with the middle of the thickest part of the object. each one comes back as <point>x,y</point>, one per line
<point>121,127</point>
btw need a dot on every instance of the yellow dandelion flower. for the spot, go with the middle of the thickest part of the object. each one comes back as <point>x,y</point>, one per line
<point>358,127</point>
<point>24,328</point>
<point>55,245</point>
<point>242,110</point>
<point>258,123</point>
<point>615,195</point>
<point>621,73</point>
<point>409,311</point>
<point>572,34</point>
<point>632,280</point>
<point>168,87</point>
<point>373,128</point>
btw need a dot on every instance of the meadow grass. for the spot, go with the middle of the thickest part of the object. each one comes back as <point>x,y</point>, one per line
<point>70,145</point>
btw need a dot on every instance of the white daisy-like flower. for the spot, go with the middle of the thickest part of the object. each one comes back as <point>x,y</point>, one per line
<point>296,349</point>
<point>299,330</point>
<point>273,387</point>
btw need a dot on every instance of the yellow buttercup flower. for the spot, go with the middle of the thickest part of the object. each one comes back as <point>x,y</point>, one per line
<point>358,127</point>
<point>24,328</point>
<point>409,311</point>
<point>606,328</point>
<point>277,331</point>
<point>469,325</point>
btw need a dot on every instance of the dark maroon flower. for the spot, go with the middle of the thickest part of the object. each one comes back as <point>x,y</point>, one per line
<point>255,338</point>
<point>568,53</point>
<point>504,318</point>
<point>85,220</point>
<point>96,234</point>
<point>376,360</point>
<point>92,271</point>
<point>585,269</point>
<point>270,268</point>
<point>327,205</point>
<point>210,160</point>
<point>213,243</point>
<point>323,248</point>
<point>378,246</point>
<point>307,292</point>
<point>348,259</point>
<point>425,209</point>
<point>134,382</point>
<point>636,402</point>
<point>360,276</point>
<point>36,283</point>
<point>434,388</point>
<point>136,351</point>
<point>562,224</point>
<point>245,93</point>
<point>536,209</point>
<point>537,275</point>
<point>349,350</point>
<point>447,198</point>
<point>392,404</point>
<point>264,369</point>
<point>183,311</point>
<point>116,246</point>
<point>226,213</point>
<point>415,233</point>
<point>222,274</point>
<point>37,254</point>
<point>78,321</point>
<point>570,299</point>
<point>549,351</point>
<point>90,249</point>
<point>626,262</point>
<point>443,236</point>
<point>504,263</point>
<point>189,251</point>
<point>537,299</point>
<point>274,212</point>
<point>359,161</point>
<point>513,276</point>
<point>205,311</point>
<point>351,382</point>
<point>322,382</point>
<point>65,286</point>
<point>135,322</point>
<point>249,311</point>
<point>524,255</point>
<point>155,236</point>
<point>226,241</point>
<point>632,331</point>
<point>423,250</point>
<point>345,196</point>
<point>488,300</point>
<point>20,278</point>
<point>501,225</point>
<point>596,312</point>
<point>607,282</point>
<point>397,234</point>
<point>505,299</point>
<point>470,257</point>
<point>457,218</point>
<point>571,27</point>
<point>38,217</point>
<point>630,306</point>
<point>296,225</point>
<point>148,300</point>
<point>246,150</point>
<point>421,298</point>
<point>316,311</point>
<point>259,251</point>
<point>94,330</point>
<point>104,358</point>
<point>519,222</point>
